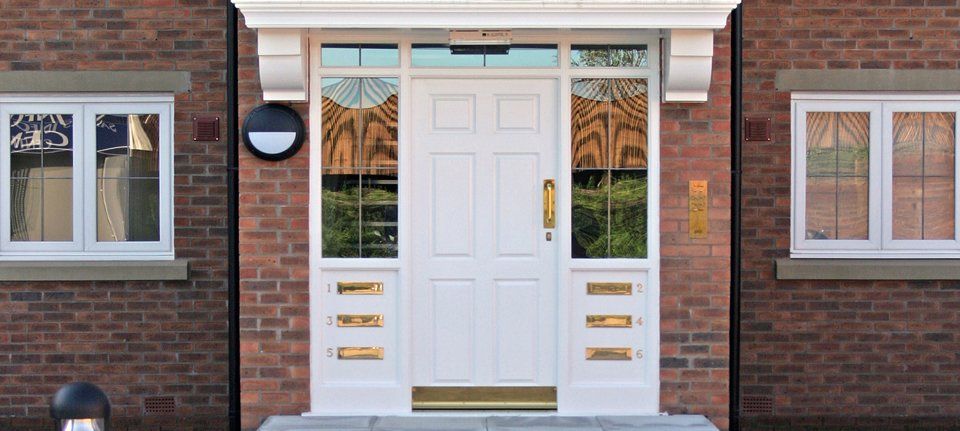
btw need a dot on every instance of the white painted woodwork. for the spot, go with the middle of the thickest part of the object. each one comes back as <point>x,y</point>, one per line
<point>358,386</point>
<point>283,58</point>
<point>688,25</point>
<point>397,14</point>
<point>687,65</point>
<point>484,275</point>
<point>612,387</point>
<point>452,109</point>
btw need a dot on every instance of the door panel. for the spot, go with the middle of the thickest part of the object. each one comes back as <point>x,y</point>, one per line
<point>484,274</point>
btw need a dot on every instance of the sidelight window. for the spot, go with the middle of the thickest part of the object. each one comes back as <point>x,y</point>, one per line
<point>86,178</point>
<point>875,178</point>
<point>359,167</point>
<point>609,150</point>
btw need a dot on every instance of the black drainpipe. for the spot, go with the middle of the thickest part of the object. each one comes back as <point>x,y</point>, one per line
<point>233,223</point>
<point>736,162</point>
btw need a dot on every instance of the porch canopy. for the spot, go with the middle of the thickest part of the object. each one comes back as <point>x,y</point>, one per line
<point>688,28</point>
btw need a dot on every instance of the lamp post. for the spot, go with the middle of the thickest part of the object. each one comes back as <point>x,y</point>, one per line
<point>80,407</point>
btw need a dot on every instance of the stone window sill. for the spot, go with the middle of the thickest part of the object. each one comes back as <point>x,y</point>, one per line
<point>868,269</point>
<point>178,269</point>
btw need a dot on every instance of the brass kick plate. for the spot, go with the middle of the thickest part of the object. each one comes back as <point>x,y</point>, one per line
<point>359,320</point>
<point>609,321</point>
<point>697,203</point>
<point>609,354</point>
<point>484,398</point>
<point>595,288</point>
<point>360,288</point>
<point>360,353</point>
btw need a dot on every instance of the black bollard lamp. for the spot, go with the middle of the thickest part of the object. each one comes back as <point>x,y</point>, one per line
<point>81,407</point>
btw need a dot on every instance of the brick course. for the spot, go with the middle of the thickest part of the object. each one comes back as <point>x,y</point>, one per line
<point>134,339</point>
<point>838,353</point>
<point>694,280</point>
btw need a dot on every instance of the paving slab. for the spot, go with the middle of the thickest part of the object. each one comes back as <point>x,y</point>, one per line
<point>656,423</point>
<point>551,423</point>
<point>325,423</point>
<point>488,423</point>
<point>431,423</point>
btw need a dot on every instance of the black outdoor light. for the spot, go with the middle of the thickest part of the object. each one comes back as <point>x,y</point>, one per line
<point>81,407</point>
<point>273,132</point>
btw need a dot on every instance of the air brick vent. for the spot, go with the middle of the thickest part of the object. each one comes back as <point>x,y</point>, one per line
<point>757,404</point>
<point>159,405</point>
<point>757,129</point>
<point>206,128</point>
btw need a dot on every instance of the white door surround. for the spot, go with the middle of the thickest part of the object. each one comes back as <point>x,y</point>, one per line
<point>341,387</point>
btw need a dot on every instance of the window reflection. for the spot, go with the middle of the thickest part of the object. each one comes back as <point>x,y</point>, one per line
<point>128,177</point>
<point>608,55</point>
<point>609,148</point>
<point>838,170</point>
<point>923,175</point>
<point>359,173</point>
<point>41,177</point>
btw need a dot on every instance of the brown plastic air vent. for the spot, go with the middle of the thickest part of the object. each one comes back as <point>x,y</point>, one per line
<point>206,128</point>
<point>757,404</point>
<point>757,129</point>
<point>159,405</point>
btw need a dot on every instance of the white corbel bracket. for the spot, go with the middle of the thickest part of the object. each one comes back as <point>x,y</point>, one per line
<point>687,65</point>
<point>284,57</point>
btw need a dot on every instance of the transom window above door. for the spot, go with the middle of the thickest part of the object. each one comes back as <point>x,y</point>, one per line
<point>875,177</point>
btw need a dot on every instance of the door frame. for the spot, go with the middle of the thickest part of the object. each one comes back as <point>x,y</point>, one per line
<point>397,393</point>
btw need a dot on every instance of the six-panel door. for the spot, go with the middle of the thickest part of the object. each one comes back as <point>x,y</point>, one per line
<point>483,270</point>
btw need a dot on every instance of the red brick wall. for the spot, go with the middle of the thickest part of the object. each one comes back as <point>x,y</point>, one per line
<point>831,352</point>
<point>274,241</point>
<point>134,339</point>
<point>695,273</point>
<point>694,280</point>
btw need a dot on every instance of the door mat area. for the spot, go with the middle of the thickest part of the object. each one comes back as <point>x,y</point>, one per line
<point>488,423</point>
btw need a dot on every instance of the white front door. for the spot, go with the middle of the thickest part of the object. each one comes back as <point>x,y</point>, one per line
<point>484,268</point>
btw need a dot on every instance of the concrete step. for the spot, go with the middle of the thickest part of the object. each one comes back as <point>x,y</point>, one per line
<point>427,422</point>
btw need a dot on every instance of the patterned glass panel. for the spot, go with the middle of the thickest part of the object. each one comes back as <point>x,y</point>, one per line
<point>923,175</point>
<point>838,162</point>
<point>608,55</point>
<point>41,177</point>
<point>609,147</point>
<point>359,172</point>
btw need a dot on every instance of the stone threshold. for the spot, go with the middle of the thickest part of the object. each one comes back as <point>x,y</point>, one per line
<point>426,422</point>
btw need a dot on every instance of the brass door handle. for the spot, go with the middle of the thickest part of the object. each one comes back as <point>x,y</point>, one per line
<point>549,204</point>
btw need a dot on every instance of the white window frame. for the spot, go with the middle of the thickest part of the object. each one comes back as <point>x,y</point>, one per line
<point>85,246</point>
<point>880,242</point>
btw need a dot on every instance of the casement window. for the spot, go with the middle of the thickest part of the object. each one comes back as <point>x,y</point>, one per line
<point>875,178</point>
<point>86,177</point>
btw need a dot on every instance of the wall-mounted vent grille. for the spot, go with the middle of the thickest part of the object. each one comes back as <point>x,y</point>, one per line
<point>206,128</point>
<point>757,404</point>
<point>159,405</point>
<point>757,129</point>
